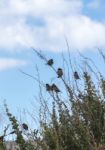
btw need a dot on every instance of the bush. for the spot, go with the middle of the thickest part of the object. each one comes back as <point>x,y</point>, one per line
<point>77,118</point>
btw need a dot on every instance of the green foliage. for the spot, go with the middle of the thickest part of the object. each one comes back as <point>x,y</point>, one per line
<point>80,123</point>
<point>76,122</point>
<point>22,144</point>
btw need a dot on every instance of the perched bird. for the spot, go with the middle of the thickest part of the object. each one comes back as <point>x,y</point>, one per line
<point>48,87</point>
<point>76,76</point>
<point>25,126</point>
<point>55,88</point>
<point>59,72</point>
<point>50,62</point>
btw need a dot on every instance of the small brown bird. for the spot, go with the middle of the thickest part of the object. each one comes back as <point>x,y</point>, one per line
<point>48,87</point>
<point>55,88</point>
<point>50,62</point>
<point>76,76</point>
<point>25,126</point>
<point>59,72</point>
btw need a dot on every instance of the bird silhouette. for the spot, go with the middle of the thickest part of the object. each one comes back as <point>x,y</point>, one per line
<point>25,126</point>
<point>55,88</point>
<point>48,87</point>
<point>50,62</point>
<point>59,72</point>
<point>76,76</point>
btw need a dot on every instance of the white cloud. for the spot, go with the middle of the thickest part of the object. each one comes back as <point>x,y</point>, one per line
<point>8,63</point>
<point>60,17</point>
<point>94,4</point>
<point>40,7</point>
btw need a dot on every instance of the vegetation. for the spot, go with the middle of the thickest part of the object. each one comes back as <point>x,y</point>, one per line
<point>76,120</point>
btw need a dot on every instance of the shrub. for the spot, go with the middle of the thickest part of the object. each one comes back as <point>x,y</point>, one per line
<point>77,118</point>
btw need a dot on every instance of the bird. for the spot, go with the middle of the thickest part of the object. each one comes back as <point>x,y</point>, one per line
<point>55,88</point>
<point>76,76</point>
<point>50,62</point>
<point>59,72</point>
<point>25,126</point>
<point>48,87</point>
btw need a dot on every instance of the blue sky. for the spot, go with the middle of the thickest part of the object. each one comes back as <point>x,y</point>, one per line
<point>44,24</point>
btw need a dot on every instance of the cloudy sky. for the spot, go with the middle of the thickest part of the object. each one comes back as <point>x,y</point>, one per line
<point>44,24</point>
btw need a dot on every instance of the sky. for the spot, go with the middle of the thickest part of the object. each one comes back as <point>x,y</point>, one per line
<point>44,25</point>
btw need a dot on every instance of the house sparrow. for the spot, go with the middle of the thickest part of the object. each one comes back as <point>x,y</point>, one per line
<point>76,76</point>
<point>50,62</point>
<point>48,87</point>
<point>55,88</point>
<point>59,72</point>
<point>25,126</point>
